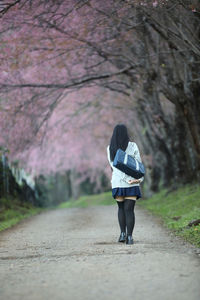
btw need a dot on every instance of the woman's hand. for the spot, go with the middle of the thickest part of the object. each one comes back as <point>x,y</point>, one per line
<point>131,181</point>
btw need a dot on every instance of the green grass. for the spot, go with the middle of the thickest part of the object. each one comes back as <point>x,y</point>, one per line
<point>12,211</point>
<point>177,209</point>
<point>90,200</point>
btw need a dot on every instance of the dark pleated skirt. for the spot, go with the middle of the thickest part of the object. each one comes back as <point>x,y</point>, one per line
<point>128,191</point>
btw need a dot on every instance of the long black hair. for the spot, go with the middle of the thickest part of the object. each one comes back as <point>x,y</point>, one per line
<point>119,139</point>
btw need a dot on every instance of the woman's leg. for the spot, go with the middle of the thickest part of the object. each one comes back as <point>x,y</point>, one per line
<point>131,197</point>
<point>119,198</point>
<point>121,216</point>
<point>129,206</point>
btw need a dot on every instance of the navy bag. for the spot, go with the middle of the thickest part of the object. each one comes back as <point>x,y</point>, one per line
<point>128,164</point>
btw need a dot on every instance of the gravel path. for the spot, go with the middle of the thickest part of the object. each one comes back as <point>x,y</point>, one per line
<point>73,254</point>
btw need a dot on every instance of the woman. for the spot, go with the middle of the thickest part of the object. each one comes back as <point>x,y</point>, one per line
<point>125,189</point>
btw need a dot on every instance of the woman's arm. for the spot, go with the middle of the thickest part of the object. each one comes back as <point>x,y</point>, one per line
<point>108,156</point>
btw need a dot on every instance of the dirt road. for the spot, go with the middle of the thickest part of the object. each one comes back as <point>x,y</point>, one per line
<point>73,254</point>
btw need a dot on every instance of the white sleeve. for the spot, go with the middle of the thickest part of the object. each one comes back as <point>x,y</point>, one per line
<point>138,157</point>
<point>137,153</point>
<point>126,178</point>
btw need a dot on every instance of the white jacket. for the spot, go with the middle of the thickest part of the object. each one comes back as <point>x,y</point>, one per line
<point>119,178</point>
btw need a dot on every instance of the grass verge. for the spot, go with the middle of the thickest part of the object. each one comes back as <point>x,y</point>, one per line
<point>12,211</point>
<point>177,209</point>
<point>89,200</point>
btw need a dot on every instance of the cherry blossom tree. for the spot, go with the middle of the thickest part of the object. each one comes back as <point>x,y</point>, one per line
<point>70,69</point>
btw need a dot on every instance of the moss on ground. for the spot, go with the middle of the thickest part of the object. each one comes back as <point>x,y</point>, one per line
<point>12,211</point>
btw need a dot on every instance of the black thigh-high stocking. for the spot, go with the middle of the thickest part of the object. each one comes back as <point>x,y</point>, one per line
<point>129,206</point>
<point>121,216</point>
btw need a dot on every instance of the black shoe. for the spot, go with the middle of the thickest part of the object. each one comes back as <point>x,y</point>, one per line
<point>129,240</point>
<point>122,237</point>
